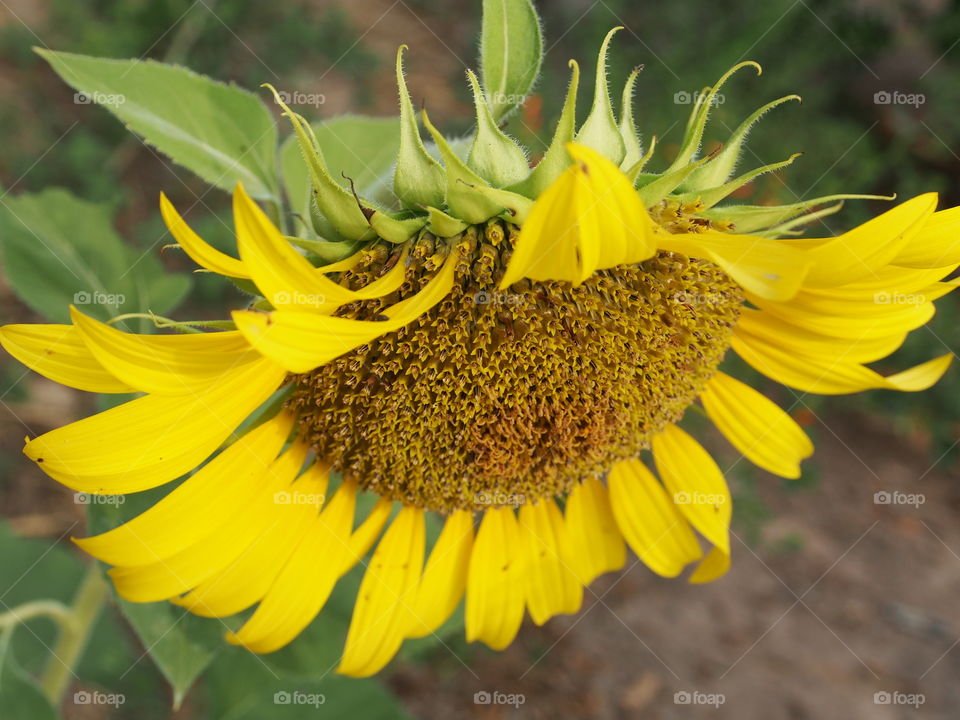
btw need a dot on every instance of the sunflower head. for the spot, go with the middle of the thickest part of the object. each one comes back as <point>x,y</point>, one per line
<point>495,343</point>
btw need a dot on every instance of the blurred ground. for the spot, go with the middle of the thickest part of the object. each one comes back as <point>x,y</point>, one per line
<point>831,597</point>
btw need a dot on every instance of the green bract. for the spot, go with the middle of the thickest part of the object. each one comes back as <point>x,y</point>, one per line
<point>444,191</point>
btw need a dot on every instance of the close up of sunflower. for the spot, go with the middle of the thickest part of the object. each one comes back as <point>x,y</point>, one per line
<point>510,348</point>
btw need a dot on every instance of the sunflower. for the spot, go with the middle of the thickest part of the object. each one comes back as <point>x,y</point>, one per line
<point>500,351</point>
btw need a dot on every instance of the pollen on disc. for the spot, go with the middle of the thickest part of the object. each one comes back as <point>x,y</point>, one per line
<point>505,396</point>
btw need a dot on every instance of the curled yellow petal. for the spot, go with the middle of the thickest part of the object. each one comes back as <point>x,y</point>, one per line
<point>495,591</point>
<point>445,575</point>
<point>756,426</point>
<point>387,593</point>
<point>202,253</point>
<point>595,542</point>
<point>551,586</point>
<point>588,219</point>
<point>301,341</point>
<point>59,353</point>
<point>215,492</point>
<point>165,364</point>
<point>153,439</point>
<point>284,276</point>
<point>649,520</point>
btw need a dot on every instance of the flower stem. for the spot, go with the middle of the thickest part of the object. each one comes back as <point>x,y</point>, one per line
<point>75,629</point>
<point>57,611</point>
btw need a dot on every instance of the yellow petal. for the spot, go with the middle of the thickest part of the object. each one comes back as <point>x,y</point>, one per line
<point>937,243</point>
<point>152,440</point>
<point>696,484</point>
<point>363,538</point>
<point>779,333</point>
<point>247,579</point>
<point>765,267</point>
<point>864,321</point>
<point>828,374</point>
<point>756,426</point>
<point>382,612</point>
<point>304,583</point>
<point>649,520</point>
<point>595,542</point>
<point>589,219</point>
<point>445,575</point>
<point>284,276</point>
<point>186,569</point>
<point>203,254</point>
<point>551,587</point>
<point>165,364</point>
<point>192,510</point>
<point>59,353</point>
<point>867,248</point>
<point>301,341</point>
<point>495,596</point>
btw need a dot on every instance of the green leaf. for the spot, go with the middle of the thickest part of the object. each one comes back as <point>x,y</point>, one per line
<point>20,697</point>
<point>511,50</point>
<point>221,132</point>
<point>179,643</point>
<point>358,147</point>
<point>60,250</point>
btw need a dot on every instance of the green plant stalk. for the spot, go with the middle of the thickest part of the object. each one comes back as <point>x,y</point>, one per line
<point>53,609</point>
<point>75,630</point>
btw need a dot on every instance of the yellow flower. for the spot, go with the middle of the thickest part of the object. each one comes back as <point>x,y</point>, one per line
<point>507,377</point>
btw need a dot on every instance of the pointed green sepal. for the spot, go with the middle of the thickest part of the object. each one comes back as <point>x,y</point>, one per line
<point>418,178</point>
<point>634,172</point>
<point>443,225</point>
<point>792,227</point>
<point>711,197</point>
<point>396,230</point>
<point>755,218</point>
<point>463,200</point>
<point>599,131</point>
<point>654,188</point>
<point>698,117</point>
<point>721,168</point>
<point>516,206</point>
<point>628,128</point>
<point>336,203</point>
<point>493,155</point>
<point>327,251</point>
<point>556,159</point>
